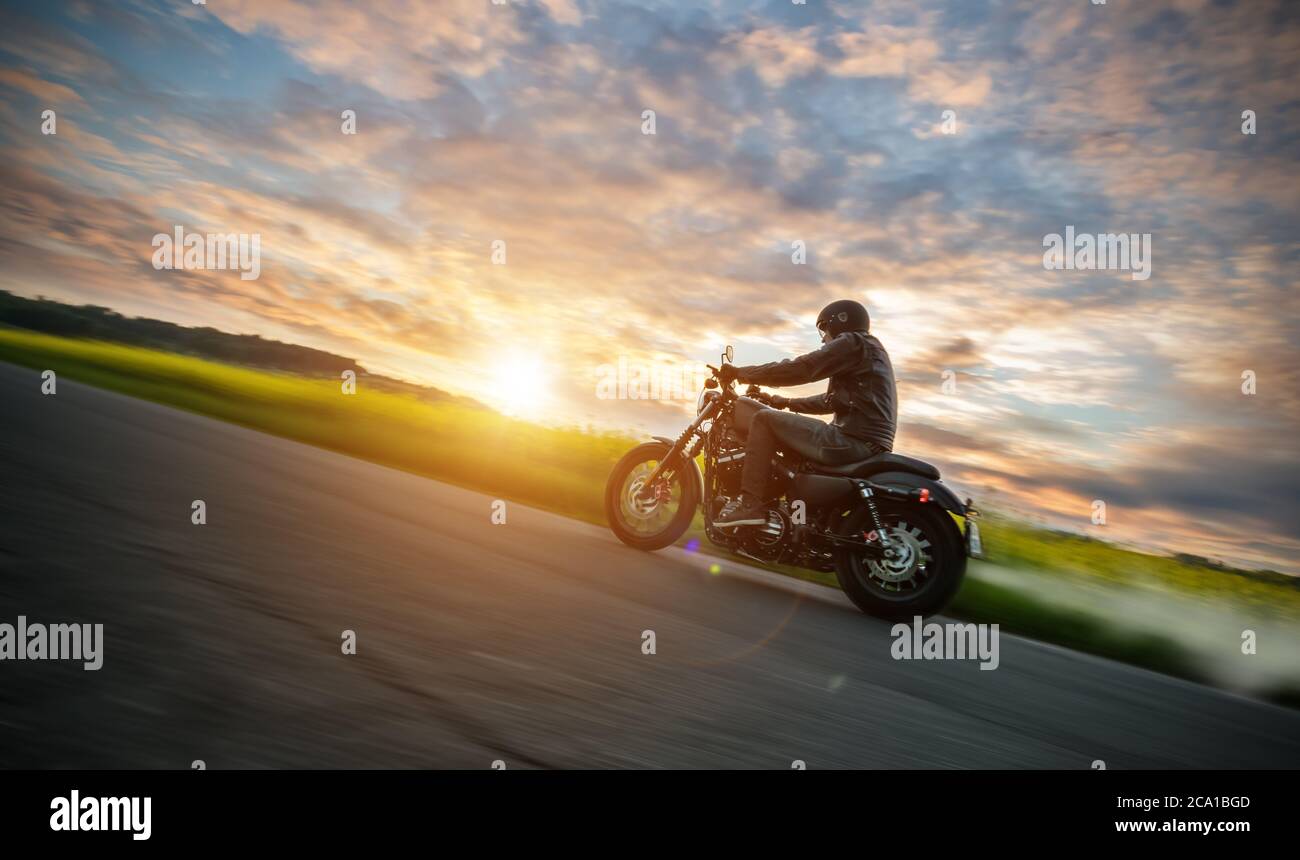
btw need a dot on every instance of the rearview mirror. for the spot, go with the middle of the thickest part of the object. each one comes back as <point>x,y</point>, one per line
<point>730,353</point>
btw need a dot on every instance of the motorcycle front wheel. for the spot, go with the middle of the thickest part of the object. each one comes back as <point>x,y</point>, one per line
<point>657,520</point>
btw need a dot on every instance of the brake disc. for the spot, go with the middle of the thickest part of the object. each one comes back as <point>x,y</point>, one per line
<point>643,508</point>
<point>910,546</point>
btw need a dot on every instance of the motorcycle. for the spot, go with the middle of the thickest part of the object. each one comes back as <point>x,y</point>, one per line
<point>894,535</point>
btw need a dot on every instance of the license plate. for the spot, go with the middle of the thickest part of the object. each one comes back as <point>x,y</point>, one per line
<point>974,546</point>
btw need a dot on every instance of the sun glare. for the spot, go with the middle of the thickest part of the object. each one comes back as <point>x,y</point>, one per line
<point>519,385</point>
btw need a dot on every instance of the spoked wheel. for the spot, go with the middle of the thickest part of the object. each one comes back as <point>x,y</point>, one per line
<point>650,517</point>
<point>922,571</point>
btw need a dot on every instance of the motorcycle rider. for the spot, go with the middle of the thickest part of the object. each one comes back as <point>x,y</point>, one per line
<point>861,395</point>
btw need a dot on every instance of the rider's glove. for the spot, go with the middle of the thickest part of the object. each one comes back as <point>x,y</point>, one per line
<point>726,374</point>
<point>777,401</point>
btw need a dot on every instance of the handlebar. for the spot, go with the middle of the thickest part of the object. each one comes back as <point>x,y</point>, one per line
<point>751,391</point>
<point>717,374</point>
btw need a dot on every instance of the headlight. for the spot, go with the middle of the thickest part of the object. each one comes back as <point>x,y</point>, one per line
<point>705,396</point>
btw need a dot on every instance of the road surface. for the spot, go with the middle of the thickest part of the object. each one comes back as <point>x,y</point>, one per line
<point>478,642</point>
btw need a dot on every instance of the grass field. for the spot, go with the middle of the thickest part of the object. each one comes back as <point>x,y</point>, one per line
<point>1159,612</point>
<point>560,470</point>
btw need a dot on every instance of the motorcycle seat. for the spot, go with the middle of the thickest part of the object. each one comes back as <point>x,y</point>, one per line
<point>888,462</point>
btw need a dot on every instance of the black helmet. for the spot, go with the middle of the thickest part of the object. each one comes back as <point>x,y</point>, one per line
<point>839,317</point>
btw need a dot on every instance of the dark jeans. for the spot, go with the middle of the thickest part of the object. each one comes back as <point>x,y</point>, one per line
<point>771,429</point>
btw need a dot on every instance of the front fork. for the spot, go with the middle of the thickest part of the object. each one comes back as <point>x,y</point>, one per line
<point>678,449</point>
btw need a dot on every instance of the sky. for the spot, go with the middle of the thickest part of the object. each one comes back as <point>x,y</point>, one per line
<point>502,225</point>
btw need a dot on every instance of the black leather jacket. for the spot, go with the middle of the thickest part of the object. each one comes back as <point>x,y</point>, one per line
<point>861,391</point>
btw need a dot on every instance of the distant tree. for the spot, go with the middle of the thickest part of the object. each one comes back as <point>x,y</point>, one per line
<point>253,350</point>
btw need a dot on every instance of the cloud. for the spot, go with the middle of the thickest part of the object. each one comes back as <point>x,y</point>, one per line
<point>47,92</point>
<point>397,49</point>
<point>522,123</point>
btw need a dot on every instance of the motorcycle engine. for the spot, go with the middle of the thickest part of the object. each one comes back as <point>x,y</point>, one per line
<point>769,541</point>
<point>771,535</point>
<point>730,461</point>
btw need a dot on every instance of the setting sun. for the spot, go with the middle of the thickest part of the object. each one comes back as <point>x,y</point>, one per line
<point>519,385</point>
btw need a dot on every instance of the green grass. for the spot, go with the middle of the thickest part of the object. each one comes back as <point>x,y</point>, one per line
<point>989,603</point>
<point>564,470</point>
<point>1078,556</point>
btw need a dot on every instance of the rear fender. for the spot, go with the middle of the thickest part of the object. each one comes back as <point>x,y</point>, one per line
<point>939,493</point>
<point>944,498</point>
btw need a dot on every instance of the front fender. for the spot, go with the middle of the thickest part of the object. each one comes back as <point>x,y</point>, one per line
<point>699,476</point>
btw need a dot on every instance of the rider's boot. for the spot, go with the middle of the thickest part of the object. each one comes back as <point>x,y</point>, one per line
<point>743,510</point>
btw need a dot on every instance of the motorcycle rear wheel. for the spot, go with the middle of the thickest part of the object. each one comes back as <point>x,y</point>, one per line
<point>921,580</point>
<point>655,523</point>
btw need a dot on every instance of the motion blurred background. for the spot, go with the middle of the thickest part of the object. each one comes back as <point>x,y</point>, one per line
<point>821,123</point>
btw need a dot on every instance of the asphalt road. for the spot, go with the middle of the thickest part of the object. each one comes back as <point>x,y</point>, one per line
<point>479,642</point>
